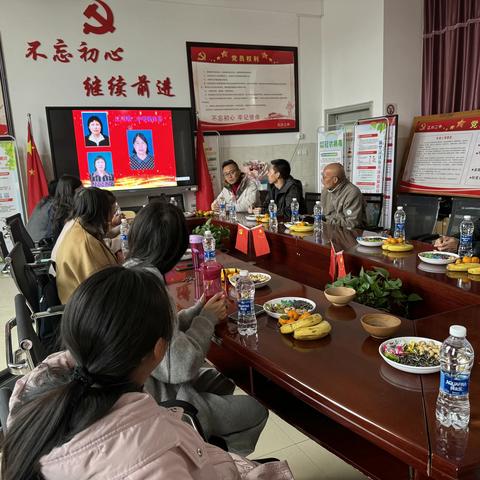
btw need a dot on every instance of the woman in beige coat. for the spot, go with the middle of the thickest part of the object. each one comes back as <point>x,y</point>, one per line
<point>81,251</point>
<point>82,413</point>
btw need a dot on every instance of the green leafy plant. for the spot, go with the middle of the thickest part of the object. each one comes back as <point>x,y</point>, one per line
<point>376,289</point>
<point>218,232</point>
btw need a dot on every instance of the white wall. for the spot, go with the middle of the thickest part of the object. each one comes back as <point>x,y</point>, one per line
<point>352,53</point>
<point>153,34</point>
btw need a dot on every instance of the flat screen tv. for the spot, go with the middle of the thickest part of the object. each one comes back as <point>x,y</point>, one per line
<point>123,148</point>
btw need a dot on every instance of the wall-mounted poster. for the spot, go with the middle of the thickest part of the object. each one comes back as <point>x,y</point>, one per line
<point>6,125</point>
<point>10,187</point>
<point>244,88</point>
<point>444,155</point>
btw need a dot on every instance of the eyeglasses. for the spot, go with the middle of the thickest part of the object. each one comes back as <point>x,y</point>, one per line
<point>231,173</point>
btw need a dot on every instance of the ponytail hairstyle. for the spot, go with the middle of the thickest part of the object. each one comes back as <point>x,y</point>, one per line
<point>93,208</point>
<point>112,321</point>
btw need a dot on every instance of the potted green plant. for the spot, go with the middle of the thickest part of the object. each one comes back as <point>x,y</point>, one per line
<point>218,232</point>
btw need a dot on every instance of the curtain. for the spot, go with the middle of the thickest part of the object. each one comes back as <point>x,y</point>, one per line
<point>451,56</point>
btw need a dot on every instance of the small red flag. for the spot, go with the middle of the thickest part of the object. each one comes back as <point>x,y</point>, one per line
<point>37,184</point>
<point>260,242</point>
<point>341,264</point>
<point>333,263</point>
<point>242,239</point>
<point>204,181</point>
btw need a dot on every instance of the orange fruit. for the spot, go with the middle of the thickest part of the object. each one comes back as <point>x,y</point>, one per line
<point>475,260</point>
<point>467,259</point>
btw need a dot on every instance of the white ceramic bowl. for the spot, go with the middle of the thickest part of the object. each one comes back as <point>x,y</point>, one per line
<point>376,241</point>
<point>278,300</point>
<point>438,261</point>
<point>259,284</point>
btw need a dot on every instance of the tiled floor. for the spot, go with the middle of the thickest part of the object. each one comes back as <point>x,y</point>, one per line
<point>307,459</point>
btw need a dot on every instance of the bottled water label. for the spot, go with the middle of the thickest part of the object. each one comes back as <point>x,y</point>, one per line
<point>209,255</point>
<point>466,239</point>
<point>456,385</point>
<point>245,306</point>
<point>317,218</point>
<point>400,228</point>
<point>295,213</point>
<point>123,237</point>
<point>273,214</point>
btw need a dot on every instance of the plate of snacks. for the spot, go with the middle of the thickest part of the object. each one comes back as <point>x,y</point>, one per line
<point>412,354</point>
<point>464,264</point>
<point>260,279</point>
<point>281,306</point>
<point>438,258</point>
<point>307,326</point>
<point>301,227</point>
<point>371,241</point>
<point>396,245</point>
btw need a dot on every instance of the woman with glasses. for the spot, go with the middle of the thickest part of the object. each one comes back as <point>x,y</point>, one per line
<point>237,187</point>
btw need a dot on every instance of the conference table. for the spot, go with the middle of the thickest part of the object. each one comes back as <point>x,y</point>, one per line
<point>338,390</point>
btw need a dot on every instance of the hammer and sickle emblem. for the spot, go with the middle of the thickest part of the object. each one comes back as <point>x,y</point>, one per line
<point>202,56</point>
<point>105,22</point>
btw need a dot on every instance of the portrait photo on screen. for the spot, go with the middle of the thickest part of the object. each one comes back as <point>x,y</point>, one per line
<point>100,167</point>
<point>141,149</point>
<point>95,129</point>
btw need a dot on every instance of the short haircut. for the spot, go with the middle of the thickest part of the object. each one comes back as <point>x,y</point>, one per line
<point>99,157</point>
<point>94,118</point>
<point>226,163</point>
<point>282,167</point>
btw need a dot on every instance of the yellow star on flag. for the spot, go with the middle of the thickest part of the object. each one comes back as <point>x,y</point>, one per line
<point>224,54</point>
<point>29,147</point>
<point>32,172</point>
<point>461,123</point>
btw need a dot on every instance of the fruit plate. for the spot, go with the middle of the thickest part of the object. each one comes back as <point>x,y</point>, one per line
<point>397,342</point>
<point>397,247</point>
<point>260,279</point>
<point>301,228</point>
<point>276,307</point>
<point>371,241</point>
<point>437,258</point>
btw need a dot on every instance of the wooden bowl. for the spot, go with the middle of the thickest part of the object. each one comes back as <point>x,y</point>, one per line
<point>340,296</point>
<point>380,325</point>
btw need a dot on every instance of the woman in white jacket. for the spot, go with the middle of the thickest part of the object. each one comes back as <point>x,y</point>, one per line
<point>238,187</point>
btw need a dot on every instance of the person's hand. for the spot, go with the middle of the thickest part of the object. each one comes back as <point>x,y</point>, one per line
<point>446,244</point>
<point>215,206</point>
<point>117,219</point>
<point>217,306</point>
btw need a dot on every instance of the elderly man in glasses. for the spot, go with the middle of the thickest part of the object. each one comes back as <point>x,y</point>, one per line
<point>238,187</point>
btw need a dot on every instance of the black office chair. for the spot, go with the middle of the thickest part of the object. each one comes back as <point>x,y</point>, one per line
<point>33,252</point>
<point>3,253</point>
<point>422,214</point>
<point>373,209</point>
<point>166,199</point>
<point>310,199</point>
<point>462,206</point>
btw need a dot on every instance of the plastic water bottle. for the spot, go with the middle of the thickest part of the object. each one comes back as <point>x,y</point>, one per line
<point>247,321</point>
<point>124,237</point>
<point>232,211</point>
<point>222,205</point>
<point>295,207</point>
<point>317,217</point>
<point>399,220</point>
<point>210,268</point>
<point>456,361</point>
<point>272,212</point>
<point>465,246</point>
<point>173,201</point>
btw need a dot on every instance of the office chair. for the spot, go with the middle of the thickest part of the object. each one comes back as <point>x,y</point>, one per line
<point>422,214</point>
<point>3,253</point>
<point>166,199</point>
<point>373,209</point>
<point>19,233</point>
<point>310,199</point>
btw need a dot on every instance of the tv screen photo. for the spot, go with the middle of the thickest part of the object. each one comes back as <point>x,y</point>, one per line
<point>122,149</point>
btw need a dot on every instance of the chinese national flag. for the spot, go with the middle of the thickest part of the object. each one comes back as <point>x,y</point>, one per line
<point>242,239</point>
<point>260,242</point>
<point>333,263</point>
<point>205,189</point>
<point>341,265</point>
<point>37,184</point>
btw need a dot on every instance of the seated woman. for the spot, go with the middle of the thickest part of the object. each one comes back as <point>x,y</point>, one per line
<point>157,240</point>
<point>81,251</point>
<point>38,225</point>
<point>83,413</point>
<point>238,187</point>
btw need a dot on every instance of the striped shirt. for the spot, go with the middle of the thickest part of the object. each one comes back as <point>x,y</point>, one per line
<point>102,181</point>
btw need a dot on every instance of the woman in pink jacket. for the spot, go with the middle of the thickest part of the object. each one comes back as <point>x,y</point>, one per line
<point>83,413</point>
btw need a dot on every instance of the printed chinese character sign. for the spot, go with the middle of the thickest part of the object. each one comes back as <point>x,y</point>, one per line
<point>244,88</point>
<point>444,155</point>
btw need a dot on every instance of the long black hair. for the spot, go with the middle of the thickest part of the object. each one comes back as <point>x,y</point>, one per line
<point>158,236</point>
<point>93,207</point>
<point>63,202</point>
<point>112,321</point>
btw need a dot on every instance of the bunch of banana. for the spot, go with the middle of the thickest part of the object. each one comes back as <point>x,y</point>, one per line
<point>309,328</point>
<point>397,247</point>
<point>462,267</point>
<point>473,270</point>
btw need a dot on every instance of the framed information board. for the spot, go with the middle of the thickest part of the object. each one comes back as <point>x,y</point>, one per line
<point>244,88</point>
<point>444,155</point>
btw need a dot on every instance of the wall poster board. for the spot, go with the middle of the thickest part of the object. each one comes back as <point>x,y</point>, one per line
<point>330,147</point>
<point>212,153</point>
<point>10,187</point>
<point>244,88</point>
<point>6,123</point>
<point>444,155</point>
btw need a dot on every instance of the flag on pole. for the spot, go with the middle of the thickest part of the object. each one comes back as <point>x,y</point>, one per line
<point>242,239</point>
<point>37,187</point>
<point>205,188</point>
<point>333,263</point>
<point>341,264</point>
<point>260,242</point>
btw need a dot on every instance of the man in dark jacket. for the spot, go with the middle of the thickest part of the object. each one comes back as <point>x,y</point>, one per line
<point>283,188</point>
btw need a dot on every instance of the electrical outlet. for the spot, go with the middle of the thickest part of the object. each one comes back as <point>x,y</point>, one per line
<point>300,136</point>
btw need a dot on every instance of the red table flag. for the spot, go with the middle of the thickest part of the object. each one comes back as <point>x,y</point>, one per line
<point>341,265</point>
<point>260,242</point>
<point>242,239</point>
<point>36,184</point>
<point>205,189</point>
<point>333,263</point>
